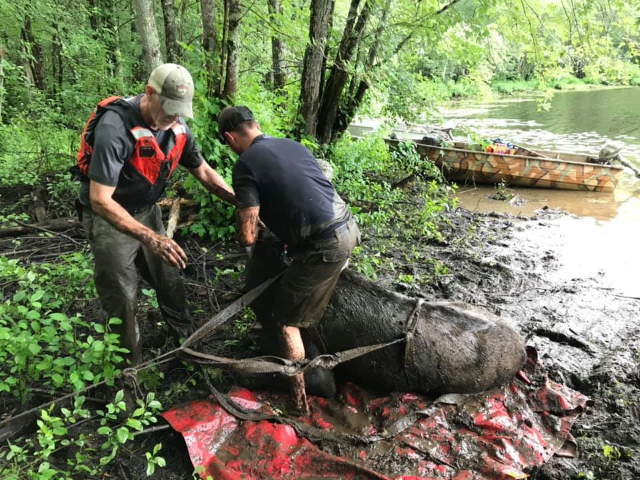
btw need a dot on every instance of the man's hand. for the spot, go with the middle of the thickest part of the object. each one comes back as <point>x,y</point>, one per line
<point>167,249</point>
<point>103,204</point>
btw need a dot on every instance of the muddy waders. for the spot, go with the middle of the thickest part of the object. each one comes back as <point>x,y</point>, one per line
<point>120,260</point>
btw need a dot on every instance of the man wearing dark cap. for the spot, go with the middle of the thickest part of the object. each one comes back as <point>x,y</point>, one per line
<point>279,181</point>
<point>129,149</point>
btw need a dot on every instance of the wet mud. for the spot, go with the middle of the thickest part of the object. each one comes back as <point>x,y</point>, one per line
<point>583,323</point>
<point>570,306</point>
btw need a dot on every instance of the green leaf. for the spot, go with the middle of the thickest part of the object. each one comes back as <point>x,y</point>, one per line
<point>58,317</point>
<point>135,424</point>
<point>122,434</point>
<point>57,380</point>
<point>34,348</point>
<point>36,296</point>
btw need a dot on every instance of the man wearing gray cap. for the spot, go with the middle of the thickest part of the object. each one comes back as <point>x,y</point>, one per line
<point>129,149</point>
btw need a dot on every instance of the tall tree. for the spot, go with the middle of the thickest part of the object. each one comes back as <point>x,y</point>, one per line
<point>351,36</point>
<point>148,32</point>
<point>313,66</point>
<point>361,83</point>
<point>2,53</point>
<point>170,31</point>
<point>209,43</point>
<point>277,48</point>
<point>231,48</point>
<point>34,61</point>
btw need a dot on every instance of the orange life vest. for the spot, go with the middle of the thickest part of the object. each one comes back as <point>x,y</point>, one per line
<point>145,174</point>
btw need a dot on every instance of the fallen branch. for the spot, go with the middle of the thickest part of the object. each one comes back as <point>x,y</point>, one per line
<point>52,232</point>
<point>174,215</point>
<point>626,296</point>
<point>50,227</point>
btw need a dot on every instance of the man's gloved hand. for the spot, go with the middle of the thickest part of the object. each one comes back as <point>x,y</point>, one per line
<point>249,249</point>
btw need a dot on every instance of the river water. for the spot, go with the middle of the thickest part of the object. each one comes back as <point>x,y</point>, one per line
<point>602,239</point>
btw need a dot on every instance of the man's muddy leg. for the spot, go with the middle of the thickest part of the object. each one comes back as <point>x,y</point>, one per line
<point>293,349</point>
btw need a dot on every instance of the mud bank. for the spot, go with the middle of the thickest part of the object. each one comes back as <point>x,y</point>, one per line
<point>585,330</point>
<point>582,322</point>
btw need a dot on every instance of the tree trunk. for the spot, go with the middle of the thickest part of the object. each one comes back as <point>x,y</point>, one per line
<point>112,37</point>
<point>148,32</point>
<point>208,8</point>
<point>359,87</point>
<point>34,54</point>
<point>339,74</point>
<point>56,59</point>
<point>2,53</point>
<point>170,31</point>
<point>94,17</point>
<point>277,49</point>
<point>321,13</point>
<point>232,48</point>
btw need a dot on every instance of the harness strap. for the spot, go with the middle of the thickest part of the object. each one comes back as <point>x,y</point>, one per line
<point>274,364</point>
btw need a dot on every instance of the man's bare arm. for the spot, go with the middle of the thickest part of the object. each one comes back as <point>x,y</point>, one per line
<point>103,204</point>
<point>248,219</point>
<point>214,182</point>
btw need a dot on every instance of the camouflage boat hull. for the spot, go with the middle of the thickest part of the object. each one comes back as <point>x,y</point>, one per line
<point>558,170</point>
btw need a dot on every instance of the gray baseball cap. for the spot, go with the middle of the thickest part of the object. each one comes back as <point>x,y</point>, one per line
<point>174,85</point>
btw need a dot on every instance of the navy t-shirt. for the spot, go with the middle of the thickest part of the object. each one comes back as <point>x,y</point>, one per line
<point>284,179</point>
<point>113,145</point>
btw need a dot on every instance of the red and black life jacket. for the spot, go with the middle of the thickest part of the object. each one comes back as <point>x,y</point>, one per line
<point>144,175</point>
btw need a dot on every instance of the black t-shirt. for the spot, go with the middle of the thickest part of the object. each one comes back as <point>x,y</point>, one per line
<point>113,145</point>
<point>284,179</point>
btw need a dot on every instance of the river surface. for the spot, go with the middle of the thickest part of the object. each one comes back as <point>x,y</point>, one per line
<point>603,240</point>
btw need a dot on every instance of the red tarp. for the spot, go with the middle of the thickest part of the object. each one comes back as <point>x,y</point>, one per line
<point>489,436</point>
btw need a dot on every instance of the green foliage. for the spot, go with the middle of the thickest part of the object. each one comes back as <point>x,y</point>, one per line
<point>34,147</point>
<point>364,174</point>
<point>47,455</point>
<point>40,345</point>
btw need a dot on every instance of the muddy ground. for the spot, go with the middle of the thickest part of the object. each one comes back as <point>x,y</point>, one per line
<point>586,333</point>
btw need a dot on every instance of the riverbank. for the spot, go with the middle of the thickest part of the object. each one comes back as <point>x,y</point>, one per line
<point>583,326</point>
<point>584,330</point>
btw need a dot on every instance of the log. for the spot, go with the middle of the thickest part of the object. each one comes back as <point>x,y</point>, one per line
<point>55,225</point>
